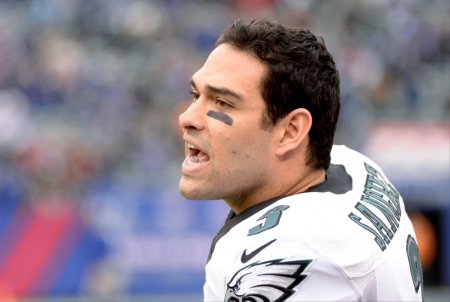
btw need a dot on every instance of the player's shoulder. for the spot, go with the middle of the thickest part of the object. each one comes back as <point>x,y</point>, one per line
<point>341,154</point>
<point>356,164</point>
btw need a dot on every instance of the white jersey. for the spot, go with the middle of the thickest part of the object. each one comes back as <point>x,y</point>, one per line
<point>347,239</point>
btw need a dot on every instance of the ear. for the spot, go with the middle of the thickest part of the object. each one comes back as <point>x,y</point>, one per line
<point>294,129</point>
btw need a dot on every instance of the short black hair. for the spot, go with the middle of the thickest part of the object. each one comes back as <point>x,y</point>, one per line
<point>301,73</point>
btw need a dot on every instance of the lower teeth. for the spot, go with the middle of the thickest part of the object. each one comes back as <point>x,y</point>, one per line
<point>195,160</point>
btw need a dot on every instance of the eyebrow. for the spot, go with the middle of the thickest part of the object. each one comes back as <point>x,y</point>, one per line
<point>219,90</point>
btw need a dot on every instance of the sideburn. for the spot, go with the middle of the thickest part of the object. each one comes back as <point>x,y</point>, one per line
<point>265,123</point>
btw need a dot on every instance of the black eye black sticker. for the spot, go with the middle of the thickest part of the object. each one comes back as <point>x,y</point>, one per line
<point>221,117</point>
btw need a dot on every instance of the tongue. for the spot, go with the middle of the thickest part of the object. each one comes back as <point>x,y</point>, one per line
<point>202,157</point>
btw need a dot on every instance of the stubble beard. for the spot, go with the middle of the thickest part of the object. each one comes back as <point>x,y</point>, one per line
<point>233,192</point>
<point>204,190</point>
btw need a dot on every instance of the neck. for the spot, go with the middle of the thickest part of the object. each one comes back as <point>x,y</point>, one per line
<point>282,186</point>
<point>313,178</point>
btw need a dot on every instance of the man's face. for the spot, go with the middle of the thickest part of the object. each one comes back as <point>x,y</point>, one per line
<point>227,151</point>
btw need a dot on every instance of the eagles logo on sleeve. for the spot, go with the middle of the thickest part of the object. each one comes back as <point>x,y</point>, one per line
<point>266,281</point>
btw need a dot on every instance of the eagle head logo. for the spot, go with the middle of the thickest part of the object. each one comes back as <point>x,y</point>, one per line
<point>267,281</point>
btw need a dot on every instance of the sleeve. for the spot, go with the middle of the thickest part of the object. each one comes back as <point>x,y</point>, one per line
<point>286,270</point>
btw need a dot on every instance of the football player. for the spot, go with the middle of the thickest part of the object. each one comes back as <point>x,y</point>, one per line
<point>308,221</point>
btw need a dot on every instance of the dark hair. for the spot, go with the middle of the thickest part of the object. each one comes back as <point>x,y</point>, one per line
<point>300,74</point>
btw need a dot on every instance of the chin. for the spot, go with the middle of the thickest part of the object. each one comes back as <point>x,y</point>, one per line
<point>196,192</point>
<point>188,192</point>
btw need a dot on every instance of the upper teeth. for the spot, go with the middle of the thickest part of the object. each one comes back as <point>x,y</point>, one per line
<point>191,146</point>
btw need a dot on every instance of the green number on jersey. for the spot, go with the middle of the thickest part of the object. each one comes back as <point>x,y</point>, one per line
<point>272,218</point>
<point>414,263</point>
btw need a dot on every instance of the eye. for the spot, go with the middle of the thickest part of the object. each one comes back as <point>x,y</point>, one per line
<point>222,104</point>
<point>195,95</point>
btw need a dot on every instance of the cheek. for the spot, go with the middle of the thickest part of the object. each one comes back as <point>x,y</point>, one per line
<point>239,143</point>
<point>243,146</point>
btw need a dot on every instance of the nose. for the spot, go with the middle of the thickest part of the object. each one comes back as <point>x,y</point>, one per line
<point>193,117</point>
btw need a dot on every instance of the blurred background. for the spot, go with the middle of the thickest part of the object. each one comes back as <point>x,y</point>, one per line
<point>90,149</point>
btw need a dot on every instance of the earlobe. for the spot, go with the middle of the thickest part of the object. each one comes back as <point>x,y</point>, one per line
<point>294,129</point>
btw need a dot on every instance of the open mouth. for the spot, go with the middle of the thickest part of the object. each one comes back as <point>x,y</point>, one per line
<point>196,156</point>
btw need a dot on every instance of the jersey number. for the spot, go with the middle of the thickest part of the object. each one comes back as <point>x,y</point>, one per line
<point>414,262</point>
<point>272,218</point>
